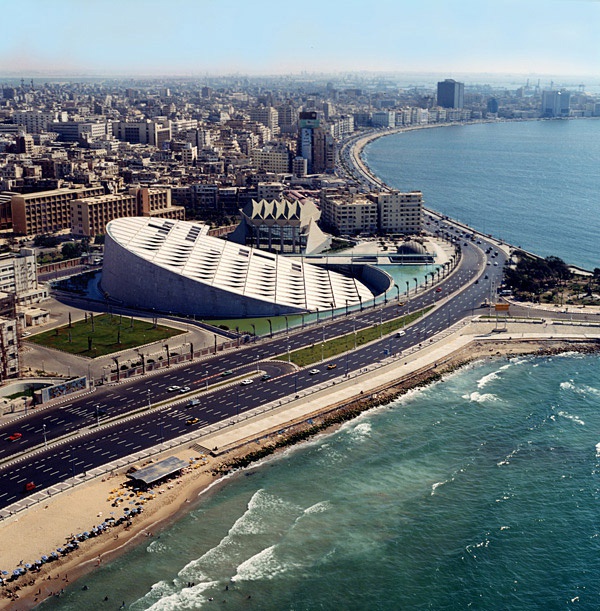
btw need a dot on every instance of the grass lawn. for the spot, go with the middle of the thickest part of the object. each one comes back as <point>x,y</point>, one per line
<point>103,334</point>
<point>338,345</point>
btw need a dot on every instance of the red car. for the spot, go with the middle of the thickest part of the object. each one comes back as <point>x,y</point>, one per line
<point>15,436</point>
<point>438,290</point>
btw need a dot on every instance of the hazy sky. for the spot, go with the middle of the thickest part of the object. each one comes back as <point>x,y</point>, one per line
<point>266,36</point>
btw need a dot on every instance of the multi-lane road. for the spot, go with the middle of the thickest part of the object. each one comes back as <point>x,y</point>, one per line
<point>62,442</point>
<point>52,448</point>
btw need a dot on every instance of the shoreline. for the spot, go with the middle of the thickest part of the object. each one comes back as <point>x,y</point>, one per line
<point>183,493</point>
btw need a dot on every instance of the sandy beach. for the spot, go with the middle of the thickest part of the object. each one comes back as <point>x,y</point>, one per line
<point>90,504</point>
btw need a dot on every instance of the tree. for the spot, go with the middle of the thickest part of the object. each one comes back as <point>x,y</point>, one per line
<point>71,250</point>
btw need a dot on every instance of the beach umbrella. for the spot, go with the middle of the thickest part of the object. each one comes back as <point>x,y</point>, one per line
<point>44,558</point>
<point>59,550</point>
<point>28,566</point>
<point>5,572</point>
<point>16,572</point>
<point>54,555</point>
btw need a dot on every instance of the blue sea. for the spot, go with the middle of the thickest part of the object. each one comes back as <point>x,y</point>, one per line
<point>480,491</point>
<point>535,184</point>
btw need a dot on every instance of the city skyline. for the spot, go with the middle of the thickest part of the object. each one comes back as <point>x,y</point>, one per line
<point>136,38</point>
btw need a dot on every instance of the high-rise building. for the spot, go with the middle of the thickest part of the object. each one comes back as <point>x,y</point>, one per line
<point>315,144</point>
<point>555,103</point>
<point>450,94</point>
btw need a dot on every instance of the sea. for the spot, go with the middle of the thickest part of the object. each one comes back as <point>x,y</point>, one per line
<point>478,491</point>
<point>534,184</point>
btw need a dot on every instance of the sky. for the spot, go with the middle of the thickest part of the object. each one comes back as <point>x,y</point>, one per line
<point>266,37</point>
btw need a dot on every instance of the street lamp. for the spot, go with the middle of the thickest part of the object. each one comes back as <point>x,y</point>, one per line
<point>287,328</point>
<point>332,309</point>
<point>253,330</point>
<point>44,432</point>
<point>97,416</point>
<point>206,380</point>
<point>270,327</point>
<point>149,401</point>
<point>397,292</point>
<point>407,289</point>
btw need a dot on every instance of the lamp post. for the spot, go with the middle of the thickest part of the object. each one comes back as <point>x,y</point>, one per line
<point>149,399</point>
<point>287,328</point>
<point>302,314</point>
<point>407,290</point>
<point>253,330</point>
<point>44,432</point>
<point>206,380</point>
<point>270,327</point>
<point>332,309</point>
<point>416,284</point>
<point>322,344</point>
<point>97,416</point>
<point>397,293</point>
<point>346,307</point>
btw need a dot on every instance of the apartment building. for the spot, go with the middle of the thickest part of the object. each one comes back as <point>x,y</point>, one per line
<point>46,211</point>
<point>272,158</point>
<point>18,277</point>
<point>90,216</point>
<point>399,212</point>
<point>142,132</point>
<point>348,213</point>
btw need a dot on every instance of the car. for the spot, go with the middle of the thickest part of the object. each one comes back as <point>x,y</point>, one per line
<point>485,277</point>
<point>314,372</point>
<point>246,382</point>
<point>29,486</point>
<point>495,263</point>
<point>478,241</point>
<point>265,376</point>
<point>15,436</point>
<point>477,281</point>
<point>438,290</point>
<point>184,389</point>
<point>191,421</point>
<point>489,263</point>
<point>226,373</point>
<point>331,366</point>
<point>400,333</point>
<point>173,388</point>
<point>194,402</point>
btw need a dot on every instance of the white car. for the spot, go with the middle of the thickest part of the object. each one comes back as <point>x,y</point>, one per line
<point>314,372</point>
<point>184,389</point>
<point>173,388</point>
<point>246,382</point>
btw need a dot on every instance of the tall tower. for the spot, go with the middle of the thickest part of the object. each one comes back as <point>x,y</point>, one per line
<point>450,94</point>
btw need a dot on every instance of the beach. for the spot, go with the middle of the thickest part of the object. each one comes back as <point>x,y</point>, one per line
<point>91,504</point>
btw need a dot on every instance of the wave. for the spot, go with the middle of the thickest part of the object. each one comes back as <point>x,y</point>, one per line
<point>435,486</point>
<point>318,507</point>
<point>478,397</point>
<point>482,382</point>
<point>568,416</point>
<point>264,565</point>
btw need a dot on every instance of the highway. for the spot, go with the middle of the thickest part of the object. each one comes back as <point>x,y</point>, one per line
<point>123,435</point>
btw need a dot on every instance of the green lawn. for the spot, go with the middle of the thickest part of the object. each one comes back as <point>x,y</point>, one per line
<point>103,334</point>
<point>338,345</point>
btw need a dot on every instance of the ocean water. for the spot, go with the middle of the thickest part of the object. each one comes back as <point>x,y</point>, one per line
<point>533,183</point>
<point>480,491</point>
